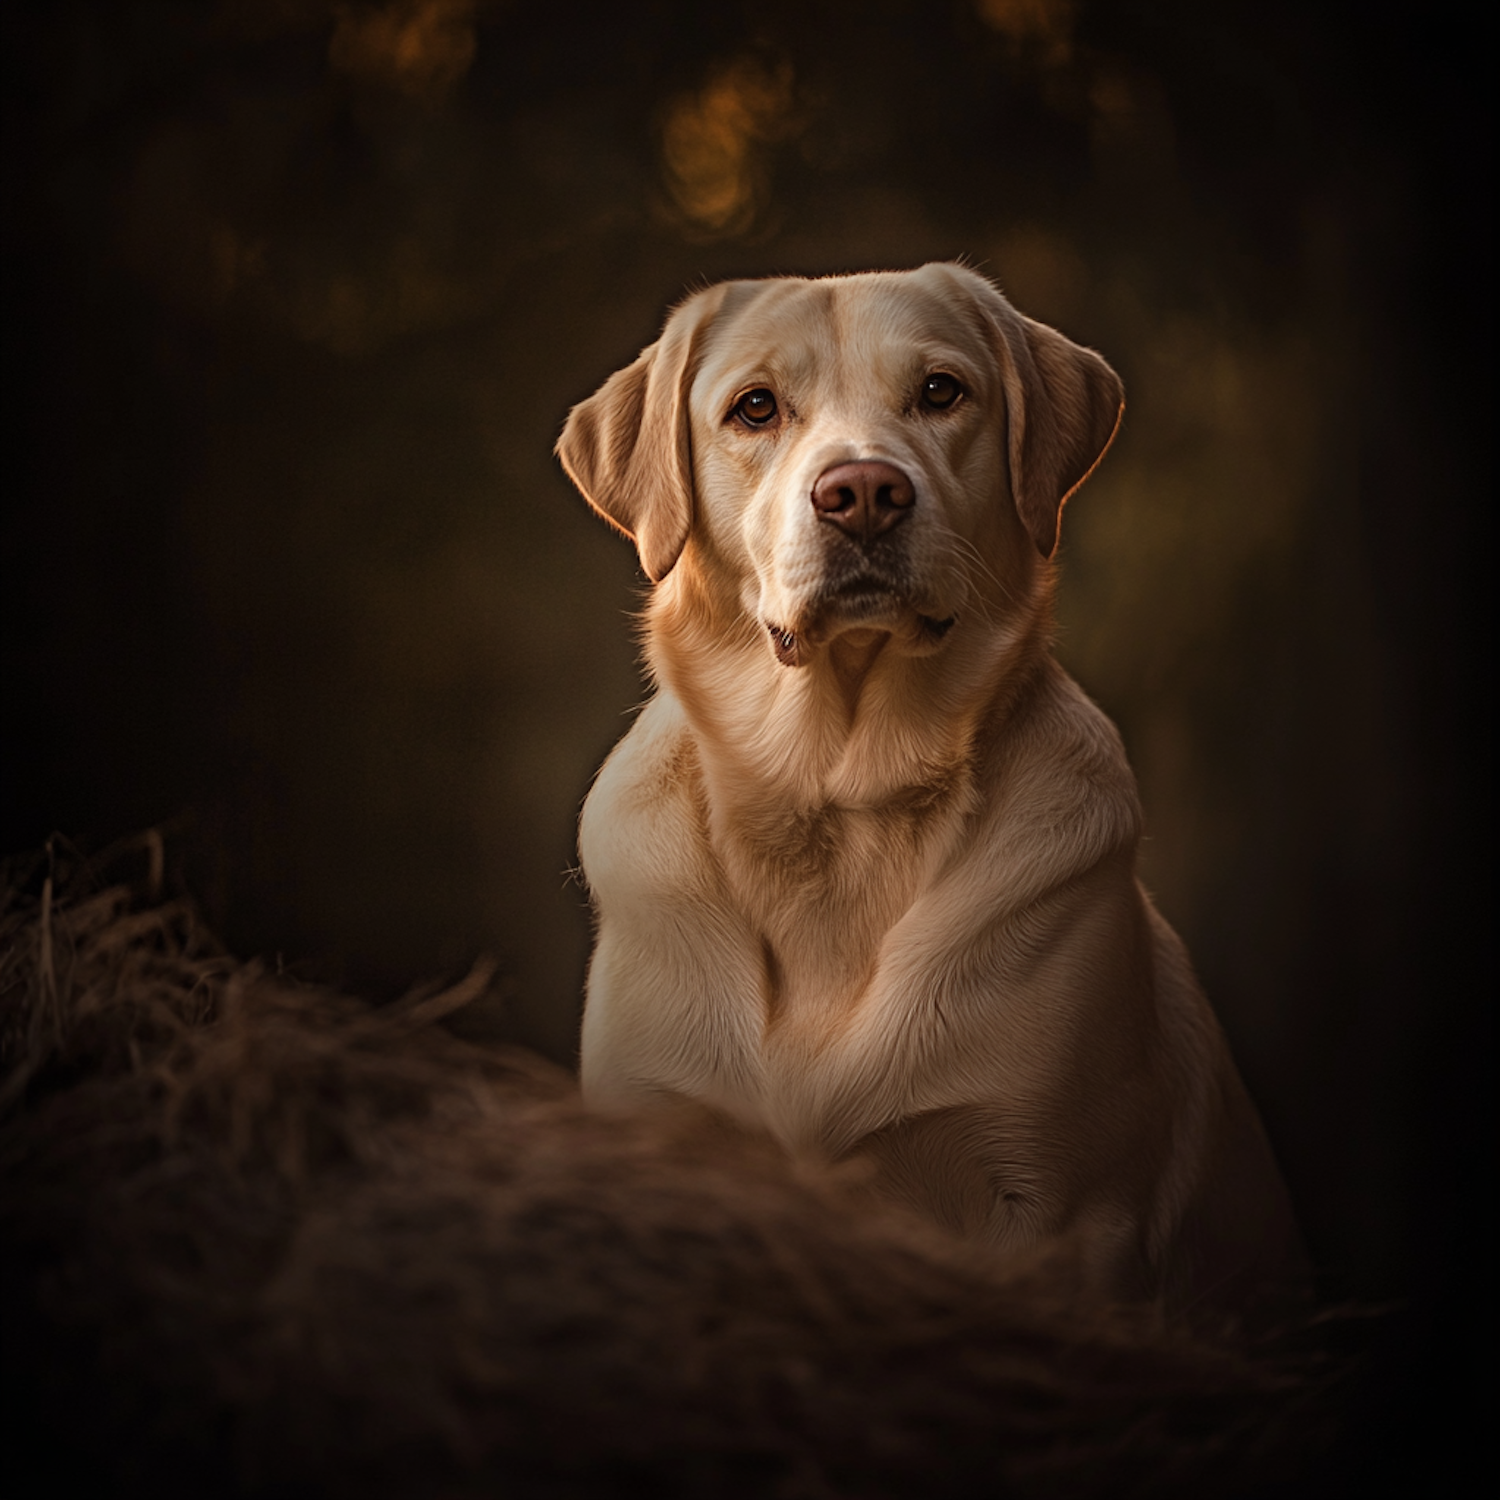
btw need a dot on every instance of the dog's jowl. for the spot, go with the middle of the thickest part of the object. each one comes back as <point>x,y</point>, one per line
<point>864,867</point>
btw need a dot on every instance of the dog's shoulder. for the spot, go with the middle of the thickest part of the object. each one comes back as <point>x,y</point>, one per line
<point>1055,773</point>
<point>644,816</point>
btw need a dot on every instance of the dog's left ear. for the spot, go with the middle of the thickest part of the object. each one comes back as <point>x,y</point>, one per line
<point>1063,406</point>
<point>628,448</point>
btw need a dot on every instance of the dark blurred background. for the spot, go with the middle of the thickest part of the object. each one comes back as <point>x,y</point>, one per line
<point>298,293</point>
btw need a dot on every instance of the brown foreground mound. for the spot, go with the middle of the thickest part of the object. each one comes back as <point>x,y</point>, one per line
<point>262,1238</point>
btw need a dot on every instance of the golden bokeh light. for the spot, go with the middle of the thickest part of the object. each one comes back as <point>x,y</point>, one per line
<point>714,142</point>
<point>1043,25</point>
<point>420,48</point>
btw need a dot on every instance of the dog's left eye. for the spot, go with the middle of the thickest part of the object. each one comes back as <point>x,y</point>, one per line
<point>940,391</point>
<point>756,408</point>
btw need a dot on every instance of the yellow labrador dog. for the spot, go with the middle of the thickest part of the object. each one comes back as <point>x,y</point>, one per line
<point>864,867</point>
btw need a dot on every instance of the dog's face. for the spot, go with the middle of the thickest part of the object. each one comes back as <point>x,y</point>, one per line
<point>847,464</point>
<point>879,453</point>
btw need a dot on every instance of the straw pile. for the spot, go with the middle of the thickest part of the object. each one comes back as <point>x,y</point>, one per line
<point>263,1238</point>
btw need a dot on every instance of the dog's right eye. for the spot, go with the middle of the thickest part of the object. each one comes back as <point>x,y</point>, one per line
<point>940,391</point>
<point>756,408</point>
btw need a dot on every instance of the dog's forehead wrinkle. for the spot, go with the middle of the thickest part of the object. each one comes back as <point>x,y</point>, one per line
<point>850,339</point>
<point>779,310</point>
<point>903,314</point>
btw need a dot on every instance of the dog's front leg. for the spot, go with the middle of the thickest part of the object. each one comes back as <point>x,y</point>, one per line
<point>676,993</point>
<point>674,1009</point>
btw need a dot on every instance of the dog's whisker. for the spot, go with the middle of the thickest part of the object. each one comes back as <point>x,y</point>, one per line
<point>988,603</point>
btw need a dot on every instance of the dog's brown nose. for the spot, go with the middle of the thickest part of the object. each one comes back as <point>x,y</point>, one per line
<point>863,499</point>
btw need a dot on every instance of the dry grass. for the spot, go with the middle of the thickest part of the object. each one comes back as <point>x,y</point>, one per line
<point>263,1238</point>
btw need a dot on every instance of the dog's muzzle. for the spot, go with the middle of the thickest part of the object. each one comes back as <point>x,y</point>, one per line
<point>864,501</point>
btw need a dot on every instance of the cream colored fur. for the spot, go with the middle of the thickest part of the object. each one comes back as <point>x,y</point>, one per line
<point>864,867</point>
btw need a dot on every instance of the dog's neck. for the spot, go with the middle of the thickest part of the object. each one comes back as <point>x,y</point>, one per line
<point>848,659</point>
<point>860,723</point>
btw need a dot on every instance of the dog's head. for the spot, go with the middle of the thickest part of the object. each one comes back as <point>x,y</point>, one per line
<point>883,452</point>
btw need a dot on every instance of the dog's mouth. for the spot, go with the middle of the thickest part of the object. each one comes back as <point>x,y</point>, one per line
<point>868,607</point>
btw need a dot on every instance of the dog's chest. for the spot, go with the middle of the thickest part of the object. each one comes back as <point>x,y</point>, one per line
<point>823,889</point>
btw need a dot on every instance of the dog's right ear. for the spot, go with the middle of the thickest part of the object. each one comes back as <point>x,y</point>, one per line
<point>628,448</point>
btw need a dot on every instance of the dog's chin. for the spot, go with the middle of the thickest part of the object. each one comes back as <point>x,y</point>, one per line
<point>859,616</point>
